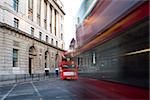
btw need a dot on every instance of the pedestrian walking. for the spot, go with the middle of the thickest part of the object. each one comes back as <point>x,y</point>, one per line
<point>56,71</point>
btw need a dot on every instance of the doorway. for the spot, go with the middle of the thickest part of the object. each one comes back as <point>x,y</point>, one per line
<point>30,66</point>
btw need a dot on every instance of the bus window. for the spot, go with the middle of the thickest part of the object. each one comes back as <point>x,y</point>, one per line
<point>68,66</point>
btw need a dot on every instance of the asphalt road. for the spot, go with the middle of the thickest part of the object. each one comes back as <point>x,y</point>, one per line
<point>56,89</point>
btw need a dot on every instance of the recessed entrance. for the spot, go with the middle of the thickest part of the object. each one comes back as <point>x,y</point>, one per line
<point>30,66</point>
<point>32,55</point>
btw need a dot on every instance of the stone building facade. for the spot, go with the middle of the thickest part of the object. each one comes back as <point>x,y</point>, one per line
<point>31,36</point>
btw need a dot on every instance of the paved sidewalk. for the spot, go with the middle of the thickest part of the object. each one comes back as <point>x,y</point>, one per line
<point>13,81</point>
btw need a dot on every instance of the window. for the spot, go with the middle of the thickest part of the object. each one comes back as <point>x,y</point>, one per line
<point>52,41</point>
<point>32,31</point>
<point>46,38</point>
<point>16,23</point>
<point>55,22</point>
<point>51,18</point>
<point>62,46</point>
<point>84,61</point>
<point>15,5</point>
<point>56,43</point>
<point>15,58</point>
<point>78,60</point>
<point>40,35</point>
<point>45,14</point>
<point>50,27</point>
<point>81,61</point>
<point>61,36</point>
<point>39,20</point>
<point>45,23</point>
<point>30,9</point>
<point>61,18</point>
<point>55,31</point>
<point>39,12</point>
<point>61,27</point>
<point>93,58</point>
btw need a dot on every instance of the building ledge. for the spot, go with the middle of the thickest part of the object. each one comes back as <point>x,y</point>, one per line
<point>6,26</point>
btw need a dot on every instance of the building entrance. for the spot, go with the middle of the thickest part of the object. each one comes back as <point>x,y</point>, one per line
<point>30,66</point>
<point>32,57</point>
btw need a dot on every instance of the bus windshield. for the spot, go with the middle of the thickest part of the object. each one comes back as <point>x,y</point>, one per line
<point>68,66</point>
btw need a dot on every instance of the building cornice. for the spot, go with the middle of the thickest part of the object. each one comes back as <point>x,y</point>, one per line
<point>59,7</point>
<point>6,26</point>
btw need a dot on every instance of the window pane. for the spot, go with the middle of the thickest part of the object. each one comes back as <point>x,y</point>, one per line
<point>52,41</point>
<point>46,38</point>
<point>15,57</point>
<point>16,22</point>
<point>15,5</point>
<point>30,9</point>
<point>30,4</point>
<point>32,31</point>
<point>40,36</point>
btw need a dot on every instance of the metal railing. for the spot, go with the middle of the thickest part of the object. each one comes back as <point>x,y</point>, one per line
<point>9,79</point>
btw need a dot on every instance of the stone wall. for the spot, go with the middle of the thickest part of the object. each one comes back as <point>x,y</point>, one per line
<point>11,38</point>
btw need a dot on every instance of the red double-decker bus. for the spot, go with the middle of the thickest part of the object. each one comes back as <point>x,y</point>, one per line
<point>68,69</point>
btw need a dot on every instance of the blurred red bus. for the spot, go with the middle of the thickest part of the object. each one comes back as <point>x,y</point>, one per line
<point>68,70</point>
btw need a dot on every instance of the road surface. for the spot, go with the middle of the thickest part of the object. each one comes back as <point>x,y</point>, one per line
<point>82,89</point>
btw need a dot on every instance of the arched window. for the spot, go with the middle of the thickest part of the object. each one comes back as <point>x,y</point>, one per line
<point>32,51</point>
<point>32,55</point>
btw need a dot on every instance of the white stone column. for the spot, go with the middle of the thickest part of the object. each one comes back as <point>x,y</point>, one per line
<point>26,8</point>
<point>50,14</point>
<point>53,21</point>
<point>58,25</point>
<point>22,6</point>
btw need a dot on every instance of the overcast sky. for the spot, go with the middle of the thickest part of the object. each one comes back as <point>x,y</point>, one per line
<point>70,7</point>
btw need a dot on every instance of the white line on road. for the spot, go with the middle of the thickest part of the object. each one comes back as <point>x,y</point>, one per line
<point>67,91</point>
<point>65,96</point>
<point>21,94</point>
<point>4,97</point>
<point>37,91</point>
<point>62,89</point>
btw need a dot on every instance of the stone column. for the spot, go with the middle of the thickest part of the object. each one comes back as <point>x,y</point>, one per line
<point>26,8</point>
<point>53,20</point>
<point>58,26</point>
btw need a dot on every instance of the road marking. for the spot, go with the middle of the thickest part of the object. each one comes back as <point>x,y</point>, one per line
<point>65,96</point>
<point>64,90</point>
<point>5,85</point>
<point>5,96</point>
<point>37,91</point>
<point>21,94</point>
